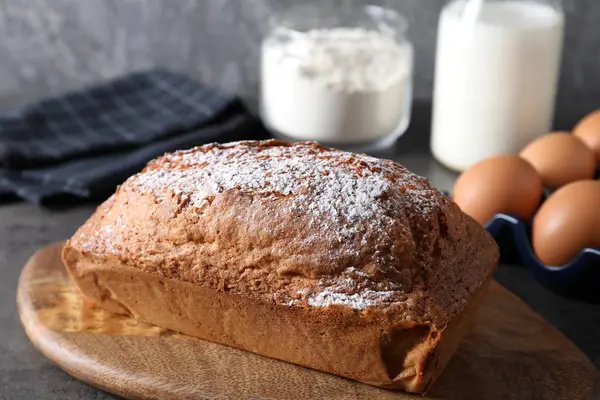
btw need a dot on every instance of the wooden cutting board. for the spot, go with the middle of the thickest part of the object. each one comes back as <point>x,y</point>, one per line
<point>512,353</point>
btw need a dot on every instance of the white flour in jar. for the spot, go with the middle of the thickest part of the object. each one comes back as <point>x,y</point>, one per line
<point>337,86</point>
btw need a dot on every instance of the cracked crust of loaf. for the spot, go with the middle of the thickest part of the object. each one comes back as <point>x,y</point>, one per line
<point>336,261</point>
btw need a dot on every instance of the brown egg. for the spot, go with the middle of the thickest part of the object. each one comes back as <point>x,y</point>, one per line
<point>504,183</point>
<point>560,158</point>
<point>588,130</point>
<point>567,222</point>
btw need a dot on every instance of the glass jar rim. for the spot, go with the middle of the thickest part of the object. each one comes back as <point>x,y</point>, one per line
<point>387,19</point>
<point>386,13</point>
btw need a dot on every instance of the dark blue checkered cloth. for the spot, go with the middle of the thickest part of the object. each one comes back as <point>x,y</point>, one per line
<point>85,143</point>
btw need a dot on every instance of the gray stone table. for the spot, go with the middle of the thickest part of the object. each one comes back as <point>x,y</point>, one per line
<point>24,228</point>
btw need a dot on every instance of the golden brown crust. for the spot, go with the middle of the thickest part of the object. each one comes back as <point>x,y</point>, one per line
<point>332,260</point>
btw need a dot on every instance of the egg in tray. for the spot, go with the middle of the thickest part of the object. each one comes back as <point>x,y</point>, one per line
<point>544,205</point>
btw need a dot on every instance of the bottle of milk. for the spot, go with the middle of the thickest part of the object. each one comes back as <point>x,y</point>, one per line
<point>496,76</point>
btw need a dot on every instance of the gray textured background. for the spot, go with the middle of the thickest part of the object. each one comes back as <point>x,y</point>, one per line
<point>47,46</point>
<point>50,46</point>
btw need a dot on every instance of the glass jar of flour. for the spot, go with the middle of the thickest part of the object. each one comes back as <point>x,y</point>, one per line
<point>341,77</point>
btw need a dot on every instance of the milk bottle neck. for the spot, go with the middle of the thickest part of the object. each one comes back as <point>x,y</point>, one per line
<point>500,10</point>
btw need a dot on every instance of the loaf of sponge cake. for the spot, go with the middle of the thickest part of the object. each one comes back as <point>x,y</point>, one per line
<point>336,261</point>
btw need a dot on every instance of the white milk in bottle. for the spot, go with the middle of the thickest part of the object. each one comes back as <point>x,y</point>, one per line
<point>496,76</point>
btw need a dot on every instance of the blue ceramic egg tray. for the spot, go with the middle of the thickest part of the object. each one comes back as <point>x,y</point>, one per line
<point>579,278</point>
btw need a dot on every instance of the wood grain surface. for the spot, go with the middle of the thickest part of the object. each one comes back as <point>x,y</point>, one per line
<point>512,353</point>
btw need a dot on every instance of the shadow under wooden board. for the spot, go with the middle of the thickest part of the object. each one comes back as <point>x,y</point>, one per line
<point>512,353</point>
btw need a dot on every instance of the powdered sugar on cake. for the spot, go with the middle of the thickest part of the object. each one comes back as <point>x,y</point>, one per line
<point>349,289</point>
<point>344,186</point>
<point>357,301</point>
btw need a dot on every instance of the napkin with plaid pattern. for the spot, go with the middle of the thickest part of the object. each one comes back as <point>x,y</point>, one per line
<point>87,142</point>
